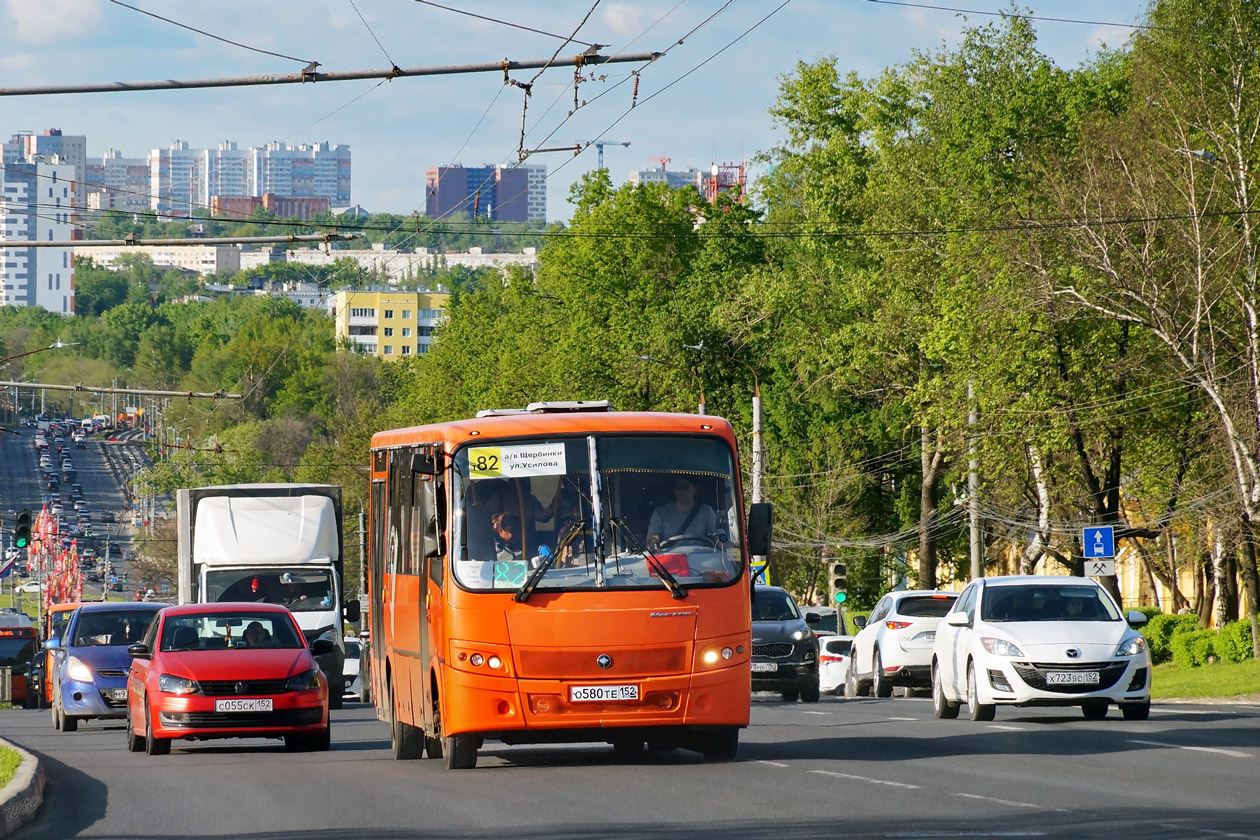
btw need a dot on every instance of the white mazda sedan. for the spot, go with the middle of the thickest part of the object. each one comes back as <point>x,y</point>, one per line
<point>1040,641</point>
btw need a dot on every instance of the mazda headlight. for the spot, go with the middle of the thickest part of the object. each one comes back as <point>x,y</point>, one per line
<point>1132,647</point>
<point>303,682</point>
<point>802,634</point>
<point>78,670</point>
<point>1000,647</point>
<point>171,684</point>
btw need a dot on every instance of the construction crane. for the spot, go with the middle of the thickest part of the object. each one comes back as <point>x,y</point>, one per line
<point>599,147</point>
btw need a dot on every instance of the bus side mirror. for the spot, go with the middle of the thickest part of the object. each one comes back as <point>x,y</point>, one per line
<point>353,611</point>
<point>759,523</point>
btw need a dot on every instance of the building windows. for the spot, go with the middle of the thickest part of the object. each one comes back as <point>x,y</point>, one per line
<point>362,313</point>
<point>388,350</point>
<point>406,314</point>
<point>389,313</point>
<point>406,349</point>
<point>389,332</point>
<point>406,332</point>
<point>425,331</point>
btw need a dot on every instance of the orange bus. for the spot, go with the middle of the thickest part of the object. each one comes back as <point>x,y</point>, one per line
<point>523,586</point>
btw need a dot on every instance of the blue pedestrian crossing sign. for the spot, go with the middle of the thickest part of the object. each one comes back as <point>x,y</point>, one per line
<point>1099,542</point>
<point>758,568</point>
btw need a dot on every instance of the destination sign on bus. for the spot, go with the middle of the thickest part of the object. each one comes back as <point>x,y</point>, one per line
<point>512,461</point>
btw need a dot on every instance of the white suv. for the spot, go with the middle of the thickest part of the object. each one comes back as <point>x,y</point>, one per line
<point>1040,641</point>
<point>894,646</point>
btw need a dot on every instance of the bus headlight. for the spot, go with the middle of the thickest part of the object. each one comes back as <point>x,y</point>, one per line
<point>709,657</point>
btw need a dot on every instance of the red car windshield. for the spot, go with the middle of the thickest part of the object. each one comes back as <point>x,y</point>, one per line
<point>224,631</point>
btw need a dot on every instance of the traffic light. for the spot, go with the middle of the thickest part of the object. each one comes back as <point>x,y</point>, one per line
<point>22,529</point>
<point>839,582</point>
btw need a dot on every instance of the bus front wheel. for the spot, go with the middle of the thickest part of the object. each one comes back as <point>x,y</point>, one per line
<point>460,752</point>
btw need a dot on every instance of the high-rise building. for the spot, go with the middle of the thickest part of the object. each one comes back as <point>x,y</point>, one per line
<point>68,148</point>
<point>674,178</point>
<point>38,205</point>
<point>319,170</point>
<point>117,183</point>
<point>228,171</point>
<point>176,180</point>
<point>507,194</point>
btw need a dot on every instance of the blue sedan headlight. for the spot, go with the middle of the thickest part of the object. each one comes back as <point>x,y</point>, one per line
<point>303,682</point>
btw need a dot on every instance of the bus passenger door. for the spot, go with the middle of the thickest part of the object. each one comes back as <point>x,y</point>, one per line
<point>377,597</point>
<point>427,530</point>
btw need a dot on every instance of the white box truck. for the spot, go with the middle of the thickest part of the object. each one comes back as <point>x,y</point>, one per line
<point>276,543</point>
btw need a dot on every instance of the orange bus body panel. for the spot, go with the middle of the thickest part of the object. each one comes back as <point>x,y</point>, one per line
<point>553,641</point>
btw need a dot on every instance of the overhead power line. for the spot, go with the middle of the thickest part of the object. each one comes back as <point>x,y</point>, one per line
<point>310,74</point>
<point>210,240</point>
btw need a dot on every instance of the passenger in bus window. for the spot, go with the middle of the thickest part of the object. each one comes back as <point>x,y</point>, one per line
<point>684,520</point>
<point>507,536</point>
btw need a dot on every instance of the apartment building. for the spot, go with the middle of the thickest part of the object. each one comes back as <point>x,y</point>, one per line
<point>391,324</point>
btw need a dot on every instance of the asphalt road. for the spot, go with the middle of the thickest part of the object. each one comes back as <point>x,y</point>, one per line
<point>22,486</point>
<point>854,768</point>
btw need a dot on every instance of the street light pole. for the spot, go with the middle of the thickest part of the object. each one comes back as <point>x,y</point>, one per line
<point>700,408</point>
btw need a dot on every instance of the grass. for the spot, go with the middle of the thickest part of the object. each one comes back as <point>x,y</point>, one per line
<point>9,761</point>
<point>1220,679</point>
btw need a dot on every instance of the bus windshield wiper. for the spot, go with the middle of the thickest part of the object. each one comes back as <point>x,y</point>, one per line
<point>548,558</point>
<point>676,589</point>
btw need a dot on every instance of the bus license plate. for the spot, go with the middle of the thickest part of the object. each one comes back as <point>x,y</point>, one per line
<point>1071,677</point>
<point>763,667</point>
<point>602,693</point>
<point>256,704</point>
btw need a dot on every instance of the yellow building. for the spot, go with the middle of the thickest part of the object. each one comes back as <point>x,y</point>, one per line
<point>390,324</point>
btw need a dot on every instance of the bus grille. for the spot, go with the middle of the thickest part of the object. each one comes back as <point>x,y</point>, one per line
<point>567,664</point>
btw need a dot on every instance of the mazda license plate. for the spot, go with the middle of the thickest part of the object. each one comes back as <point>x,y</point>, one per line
<point>1071,678</point>
<point>253,704</point>
<point>602,693</point>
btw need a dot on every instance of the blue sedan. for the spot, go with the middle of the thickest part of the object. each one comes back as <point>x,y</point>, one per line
<point>89,673</point>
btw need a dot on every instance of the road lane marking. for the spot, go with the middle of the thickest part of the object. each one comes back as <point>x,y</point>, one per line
<point>900,718</point>
<point>928,834</point>
<point>1006,728</point>
<point>1012,803</point>
<point>864,779</point>
<point>815,713</point>
<point>771,763</point>
<point>1228,834</point>
<point>1218,750</point>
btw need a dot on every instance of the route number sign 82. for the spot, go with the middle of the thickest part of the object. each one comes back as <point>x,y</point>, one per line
<point>486,462</point>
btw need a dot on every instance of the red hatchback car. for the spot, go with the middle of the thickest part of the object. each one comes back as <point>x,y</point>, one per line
<point>226,670</point>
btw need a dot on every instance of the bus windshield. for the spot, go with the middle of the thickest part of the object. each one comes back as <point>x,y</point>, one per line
<point>634,509</point>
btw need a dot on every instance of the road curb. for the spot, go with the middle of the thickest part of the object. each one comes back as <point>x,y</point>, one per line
<point>21,797</point>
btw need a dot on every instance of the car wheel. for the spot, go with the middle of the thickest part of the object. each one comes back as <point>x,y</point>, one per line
<point>1094,711</point>
<point>854,687</point>
<point>404,739</point>
<point>722,745</point>
<point>460,752</point>
<point>335,701</point>
<point>791,695</point>
<point>810,693</point>
<point>135,743</point>
<point>941,707</point>
<point>364,692</point>
<point>883,688</point>
<point>153,745</point>
<point>1136,711</point>
<point>976,710</point>
<point>56,715</point>
<point>69,723</point>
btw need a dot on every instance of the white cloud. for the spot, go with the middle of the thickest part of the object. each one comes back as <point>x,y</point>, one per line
<point>51,20</point>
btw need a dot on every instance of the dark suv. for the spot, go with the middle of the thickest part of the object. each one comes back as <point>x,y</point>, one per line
<point>784,648</point>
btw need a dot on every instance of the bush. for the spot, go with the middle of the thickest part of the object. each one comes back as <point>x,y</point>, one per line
<point>1160,630</point>
<point>1194,648</point>
<point>1233,643</point>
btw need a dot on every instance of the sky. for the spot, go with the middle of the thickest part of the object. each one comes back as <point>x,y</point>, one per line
<point>705,101</point>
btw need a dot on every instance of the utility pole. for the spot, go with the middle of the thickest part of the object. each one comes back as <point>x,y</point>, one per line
<point>973,487</point>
